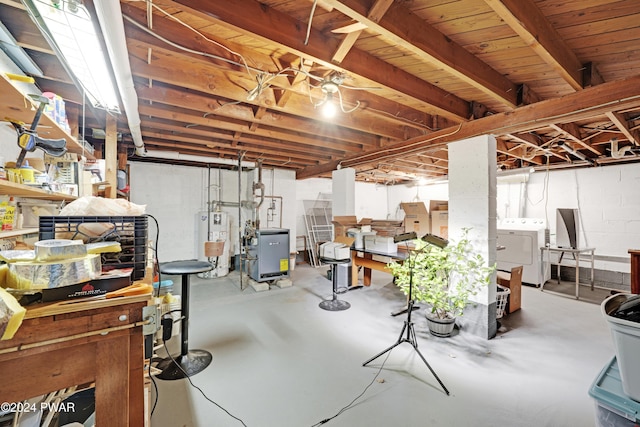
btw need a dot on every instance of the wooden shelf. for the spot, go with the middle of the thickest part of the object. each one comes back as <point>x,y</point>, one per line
<point>20,232</point>
<point>15,105</point>
<point>21,190</point>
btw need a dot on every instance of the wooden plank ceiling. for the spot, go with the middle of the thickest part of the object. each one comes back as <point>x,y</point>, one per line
<point>556,81</point>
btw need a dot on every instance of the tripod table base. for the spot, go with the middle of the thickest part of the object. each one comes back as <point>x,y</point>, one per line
<point>185,365</point>
<point>334,305</point>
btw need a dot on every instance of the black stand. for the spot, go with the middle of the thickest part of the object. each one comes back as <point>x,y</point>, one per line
<point>410,333</point>
<point>189,362</point>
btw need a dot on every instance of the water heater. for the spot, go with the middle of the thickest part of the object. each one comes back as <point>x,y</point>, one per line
<point>213,227</point>
<point>567,228</point>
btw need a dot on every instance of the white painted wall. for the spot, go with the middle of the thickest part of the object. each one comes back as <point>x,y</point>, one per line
<point>371,200</point>
<point>609,202</point>
<point>415,193</point>
<point>175,194</point>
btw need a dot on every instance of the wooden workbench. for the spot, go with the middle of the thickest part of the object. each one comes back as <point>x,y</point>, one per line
<point>77,342</point>
<point>364,258</point>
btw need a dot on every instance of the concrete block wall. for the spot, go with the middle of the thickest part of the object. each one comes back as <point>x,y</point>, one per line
<point>472,204</point>
<point>614,280</point>
<point>175,194</point>
<point>609,202</point>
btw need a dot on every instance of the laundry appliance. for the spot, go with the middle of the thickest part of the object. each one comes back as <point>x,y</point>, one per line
<point>522,239</point>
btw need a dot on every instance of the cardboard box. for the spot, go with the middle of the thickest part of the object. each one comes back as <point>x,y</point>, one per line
<point>387,227</point>
<point>439,215</point>
<point>384,244</point>
<point>440,224</point>
<point>342,223</point>
<point>107,282</point>
<point>416,218</point>
<point>438,205</point>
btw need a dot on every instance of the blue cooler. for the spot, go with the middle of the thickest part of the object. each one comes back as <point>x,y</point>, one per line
<point>613,407</point>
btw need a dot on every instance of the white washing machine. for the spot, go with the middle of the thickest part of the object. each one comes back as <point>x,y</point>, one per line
<point>522,239</point>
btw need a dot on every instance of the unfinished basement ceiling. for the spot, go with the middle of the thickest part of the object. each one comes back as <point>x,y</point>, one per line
<point>556,81</point>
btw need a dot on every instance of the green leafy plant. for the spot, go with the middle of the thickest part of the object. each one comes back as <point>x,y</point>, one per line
<point>445,278</point>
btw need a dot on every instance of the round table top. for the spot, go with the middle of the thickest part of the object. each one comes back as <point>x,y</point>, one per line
<point>185,267</point>
<point>335,261</point>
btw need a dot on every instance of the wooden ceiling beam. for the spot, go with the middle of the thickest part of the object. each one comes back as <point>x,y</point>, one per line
<point>299,155</point>
<point>408,31</point>
<point>532,141</point>
<point>208,104</point>
<point>215,123</point>
<point>375,13</point>
<point>518,152</point>
<point>572,131</point>
<point>373,104</point>
<point>284,95</point>
<point>420,161</point>
<point>588,103</point>
<point>621,123</point>
<point>178,130</point>
<point>169,68</point>
<point>268,24</point>
<point>222,152</point>
<point>526,19</point>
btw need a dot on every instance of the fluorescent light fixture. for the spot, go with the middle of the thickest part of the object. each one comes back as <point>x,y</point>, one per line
<point>68,27</point>
<point>573,152</point>
<point>10,46</point>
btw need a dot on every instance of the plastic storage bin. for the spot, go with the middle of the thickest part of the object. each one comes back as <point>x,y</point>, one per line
<point>617,310</point>
<point>613,407</point>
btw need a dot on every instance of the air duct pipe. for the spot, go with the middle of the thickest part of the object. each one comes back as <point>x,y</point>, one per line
<point>174,155</point>
<point>110,18</point>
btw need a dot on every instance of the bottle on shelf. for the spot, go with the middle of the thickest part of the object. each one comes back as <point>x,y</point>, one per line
<point>10,214</point>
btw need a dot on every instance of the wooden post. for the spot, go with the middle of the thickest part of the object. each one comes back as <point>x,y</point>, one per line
<point>111,156</point>
<point>635,271</point>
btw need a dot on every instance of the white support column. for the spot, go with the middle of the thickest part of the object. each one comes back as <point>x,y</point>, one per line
<point>472,204</point>
<point>343,187</point>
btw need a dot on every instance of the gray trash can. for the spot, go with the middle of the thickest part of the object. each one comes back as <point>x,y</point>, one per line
<point>622,312</point>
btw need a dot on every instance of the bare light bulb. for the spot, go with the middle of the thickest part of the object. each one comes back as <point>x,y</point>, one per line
<point>329,108</point>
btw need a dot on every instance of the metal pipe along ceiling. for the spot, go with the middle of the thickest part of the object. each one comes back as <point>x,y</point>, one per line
<point>110,18</point>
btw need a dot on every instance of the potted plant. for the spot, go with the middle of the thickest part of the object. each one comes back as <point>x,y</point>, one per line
<point>444,278</point>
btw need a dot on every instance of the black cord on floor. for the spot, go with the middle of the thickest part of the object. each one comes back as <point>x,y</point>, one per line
<point>350,405</point>
<point>157,264</point>
<point>198,388</point>
<point>155,386</point>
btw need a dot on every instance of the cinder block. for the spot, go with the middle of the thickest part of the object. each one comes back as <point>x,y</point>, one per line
<point>284,283</point>
<point>259,286</point>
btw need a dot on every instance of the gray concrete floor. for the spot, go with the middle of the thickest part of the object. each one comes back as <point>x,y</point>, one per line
<point>279,360</point>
